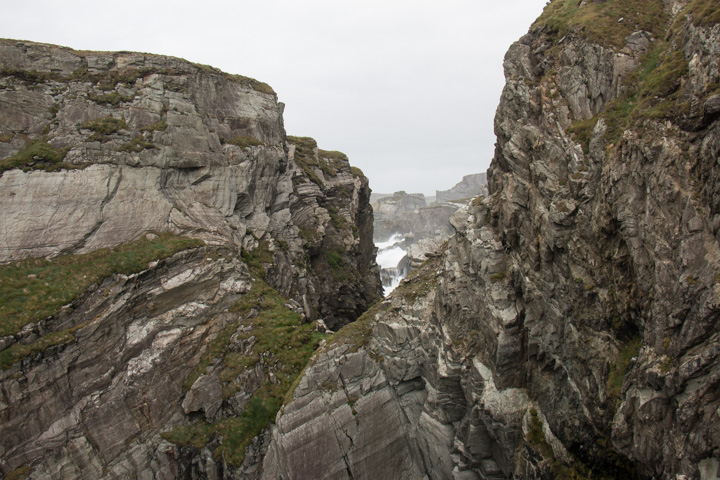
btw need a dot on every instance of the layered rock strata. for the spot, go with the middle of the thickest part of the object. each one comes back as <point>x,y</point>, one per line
<point>469,187</point>
<point>570,327</point>
<point>160,373</point>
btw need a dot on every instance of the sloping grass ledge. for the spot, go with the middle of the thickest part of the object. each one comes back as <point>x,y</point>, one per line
<point>36,288</point>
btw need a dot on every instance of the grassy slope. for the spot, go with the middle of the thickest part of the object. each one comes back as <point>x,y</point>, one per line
<point>36,288</point>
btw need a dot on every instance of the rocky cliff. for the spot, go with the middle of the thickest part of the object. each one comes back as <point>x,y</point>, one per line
<point>469,187</point>
<point>166,248</point>
<point>570,327</point>
<point>409,215</point>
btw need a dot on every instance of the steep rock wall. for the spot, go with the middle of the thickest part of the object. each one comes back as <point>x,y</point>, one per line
<point>154,374</point>
<point>570,327</point>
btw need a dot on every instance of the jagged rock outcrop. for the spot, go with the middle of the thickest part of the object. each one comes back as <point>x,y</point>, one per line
<point>405,222</point>
<point>469,187</point>
<point>195,150</point>
<point>570,326</point>
<point>408,214</point>
<point>169,368</point>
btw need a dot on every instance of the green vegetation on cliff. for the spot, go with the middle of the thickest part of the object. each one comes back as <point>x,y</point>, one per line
<point>36,288</point>
<point>652,92</point>
<point>280,342</point>
<point>37,155</point>
<point>275,338</point>
<point>606,23</point>
<point>243,141</point>
<point>309,157</point>
<point>102,128</point>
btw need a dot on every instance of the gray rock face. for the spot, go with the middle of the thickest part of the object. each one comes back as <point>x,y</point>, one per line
<point>469,187</point>
<point>157,144</point>
<point>100,402</point>
<point>197,152</point>
<point>409,215</point>
<point>570,324</point>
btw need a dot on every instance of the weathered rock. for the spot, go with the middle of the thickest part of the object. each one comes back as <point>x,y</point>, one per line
<point>157,144</point>
<point>469,187</point>
<point>570,326</point>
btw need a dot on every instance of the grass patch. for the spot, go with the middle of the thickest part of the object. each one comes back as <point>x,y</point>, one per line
<point>257,259</point>
<point>653,92</point>
<point>309,236</point>
<point>498,277</point>
<point>197,435</point>
<point>420,282</point>
<point>704,13</point>
<point>102,128</point>
<point>19,351</point>
<point>37,155</point>
<point>19,473</point>
<point>109,80</point>
<point>112,98</point>
<point>356,171</point>
<point>333,155</point>
<point>155,127</point>
<point>582,132</point>
<point>536,436</point>
<point>599,21</point>
<point>338,221</point>
<point>619,369</point>
<point>136,145</point>
<point>244,141</point>
<point>29,76</point>
<point>331,161</point>
<point>281,340</point>
<point>356,334</point>
<point>335,259</point>
<point>34,289</point>
<point>256,85</point>
<point>305,156</point>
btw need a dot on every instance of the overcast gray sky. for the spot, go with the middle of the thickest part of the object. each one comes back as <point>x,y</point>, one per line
<point>406,88</point>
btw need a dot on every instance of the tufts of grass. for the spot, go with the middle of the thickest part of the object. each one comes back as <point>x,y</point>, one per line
<point>18,351</point>
<point>29,76</point>
<point>196,435</point>
<point>244,141</point>
<point>109,80</point>
<point>304,147</point>
<point>356,334</point>
<point>653,92</point>
<point>616,376</point>
<point>536,436</point>
<point>420,282</point>
<point>283,343</point>
<point>338,221</point>
<point>600,22</point>
<point>331,161</point>
<point>112,98</point>
<point>256,85</point>
<point>37,155</point>
<point>357,172</point>
<point>258,258</point>
<point>155,127</point>
<point>582,132</point>
<point>498,277</point>
<point>305,156</point>
<point>137,144</point>
<point>335,259</point>
<point>19,473</point>
<point>704,13</point>
<point>104,127</point>
<point>36,288</point>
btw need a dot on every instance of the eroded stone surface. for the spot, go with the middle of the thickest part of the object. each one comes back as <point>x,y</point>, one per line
<point>527,321</point>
